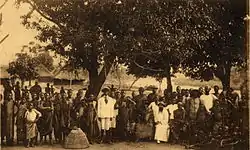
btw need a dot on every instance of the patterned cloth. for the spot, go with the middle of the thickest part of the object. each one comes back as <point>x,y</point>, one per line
<point>31,130</point>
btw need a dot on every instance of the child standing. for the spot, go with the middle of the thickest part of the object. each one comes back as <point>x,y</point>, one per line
<point>31,117</point>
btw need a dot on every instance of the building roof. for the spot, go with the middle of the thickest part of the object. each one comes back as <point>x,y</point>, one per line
<point>64,74</point>
<point>43,71</point>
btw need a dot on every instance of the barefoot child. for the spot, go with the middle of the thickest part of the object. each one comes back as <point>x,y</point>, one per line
<point>31,117</point>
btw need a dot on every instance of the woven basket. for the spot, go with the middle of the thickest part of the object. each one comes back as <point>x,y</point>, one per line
<point>76,140</point>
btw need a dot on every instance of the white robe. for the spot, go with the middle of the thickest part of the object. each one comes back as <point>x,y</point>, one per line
<point>208,101</point>
<point>162,129</point>
<point>171,108</point>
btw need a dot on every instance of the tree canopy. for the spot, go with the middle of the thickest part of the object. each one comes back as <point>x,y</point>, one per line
<point>153,36</point>
<point>24,67</point>
<point>224,49</point>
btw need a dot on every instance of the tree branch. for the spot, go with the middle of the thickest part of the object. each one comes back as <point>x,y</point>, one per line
<point>4,38</point>
<point>43,15</point>
<point>147,68</point>
<point>1,6</point>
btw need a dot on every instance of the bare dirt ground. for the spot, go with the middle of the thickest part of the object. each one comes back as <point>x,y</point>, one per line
<point>116,146</point>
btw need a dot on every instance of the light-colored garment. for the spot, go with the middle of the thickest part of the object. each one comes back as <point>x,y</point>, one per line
<point>171,108</point>
<point>105,110</point>
<point>162,129</point>
<point>31,115</point>
<point>153,107</point>
<point>208,101</point>
<point>31,126</point>
<point>105,123</point>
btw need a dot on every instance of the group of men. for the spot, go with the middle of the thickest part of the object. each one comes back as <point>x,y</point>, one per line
<point>171,117</point>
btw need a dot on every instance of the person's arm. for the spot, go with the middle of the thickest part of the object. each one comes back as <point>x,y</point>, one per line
<point>26,114</point>
<point>99,108</point>
<point>38,113</point>
<point>112,108</point>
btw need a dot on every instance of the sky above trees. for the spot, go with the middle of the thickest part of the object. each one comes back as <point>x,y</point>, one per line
<point>19,36</point>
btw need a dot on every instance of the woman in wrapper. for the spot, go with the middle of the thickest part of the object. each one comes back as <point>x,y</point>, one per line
<point>8,119</point>
<point>92,119</point>
<point>20,122</point>
<point>47,119</point>
<point>162,123</point>
<point>31,117</point>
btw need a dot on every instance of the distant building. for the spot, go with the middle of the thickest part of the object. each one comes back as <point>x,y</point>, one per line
<point>44,75</point>
<point>65,77</point>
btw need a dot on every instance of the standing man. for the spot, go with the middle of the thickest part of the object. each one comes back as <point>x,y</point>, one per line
<point>140,106</point>
<point>179,92</point>
<point>36,89</point>
<point>7,89</point>
<point>17,91</point>
<point>152,96</point>
<point>105,113</point>
<point>9,119</point>
<point>52,90</point>
<point>161,117</point>
<point>216,91</point>
<point>47,89</point>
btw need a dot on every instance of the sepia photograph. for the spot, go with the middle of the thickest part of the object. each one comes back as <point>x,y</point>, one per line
<point>124,74</point>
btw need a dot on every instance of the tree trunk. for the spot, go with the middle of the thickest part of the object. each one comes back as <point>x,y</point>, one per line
<point>136,79</point>
<point>226,79</point>
<point>93,76</point>
<point>97,80</point>
<point>223,73</point>
<point>168,76</point>
<point>169,84</point>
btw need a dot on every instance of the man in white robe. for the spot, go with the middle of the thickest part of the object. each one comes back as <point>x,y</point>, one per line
<point>161,117</point>
<point>105,113</point>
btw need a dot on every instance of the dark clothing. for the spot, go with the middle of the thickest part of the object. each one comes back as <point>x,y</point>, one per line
<point>57,116</point>
<point>45,124</point>
<point>47,90</point>
<point>17,92</point>
<point>65,116</point>
<point>7,90</point>
<point>8,119</point>
<point>92,121</point>
<point>141,107</point>
<point>36,89</point>
<point>178,123</point>
<point>123,119</point>
<point>20,122</point>
<point>152,97</point>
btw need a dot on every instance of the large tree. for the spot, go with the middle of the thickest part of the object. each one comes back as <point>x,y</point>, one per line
<point>223,50</point>
<point>90,34</point>
<point>170,32</point>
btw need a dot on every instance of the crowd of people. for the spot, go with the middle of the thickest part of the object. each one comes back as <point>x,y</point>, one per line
<point>185,116</point>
